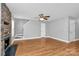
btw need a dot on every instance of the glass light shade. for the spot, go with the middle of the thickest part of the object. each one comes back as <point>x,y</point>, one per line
<point>41,19</point>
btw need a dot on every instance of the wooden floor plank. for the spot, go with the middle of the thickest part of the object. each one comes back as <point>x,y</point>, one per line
<point>46,47</point>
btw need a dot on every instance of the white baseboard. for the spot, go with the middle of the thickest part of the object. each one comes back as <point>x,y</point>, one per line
<point>42,37</point>
<point>27,38</point>
<point>66,41</point>
<point>58,39</point>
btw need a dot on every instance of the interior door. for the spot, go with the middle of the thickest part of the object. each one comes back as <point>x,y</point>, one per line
<point>72,30</point>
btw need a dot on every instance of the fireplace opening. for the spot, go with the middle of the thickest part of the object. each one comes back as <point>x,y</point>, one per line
<point>7,42</point>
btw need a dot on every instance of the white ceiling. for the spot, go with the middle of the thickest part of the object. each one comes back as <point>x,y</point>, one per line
<point>54,10</point>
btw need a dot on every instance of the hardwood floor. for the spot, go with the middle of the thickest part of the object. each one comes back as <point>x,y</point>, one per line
<point>46,47</point>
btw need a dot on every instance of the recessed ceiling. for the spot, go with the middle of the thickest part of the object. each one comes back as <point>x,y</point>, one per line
<point>54,10</point>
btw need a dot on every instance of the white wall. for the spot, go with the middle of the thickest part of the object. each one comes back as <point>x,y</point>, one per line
<point>71,28</point>
<point>77,29</point>
<point>32,29</point>
<point>55,28</point>
<point>18,25</point>
<point>58,29</point>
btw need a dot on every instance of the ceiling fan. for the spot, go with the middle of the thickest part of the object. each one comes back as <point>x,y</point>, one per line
<point>40,17</point>
<point>43,18</point>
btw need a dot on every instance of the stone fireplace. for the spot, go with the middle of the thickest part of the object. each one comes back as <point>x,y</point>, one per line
<point>5,28</point>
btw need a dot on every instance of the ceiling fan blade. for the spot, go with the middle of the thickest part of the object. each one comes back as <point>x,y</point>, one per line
<point>47,16</point>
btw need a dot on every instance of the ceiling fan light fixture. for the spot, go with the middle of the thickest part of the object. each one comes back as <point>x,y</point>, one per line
<point>42,19</point>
